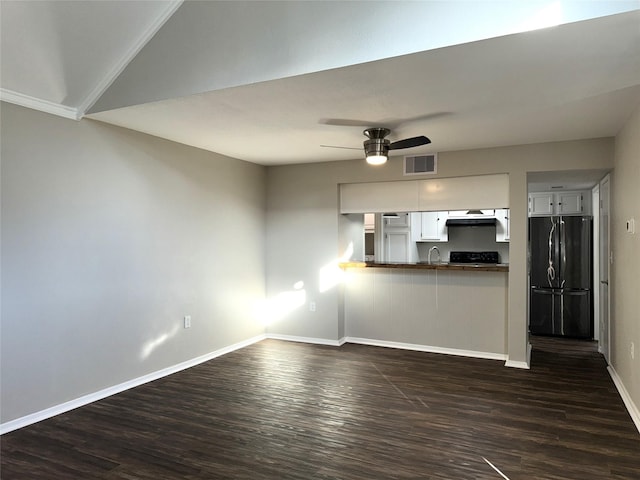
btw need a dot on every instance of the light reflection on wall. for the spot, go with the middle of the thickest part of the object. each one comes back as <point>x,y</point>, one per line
<point>282,304</point>
<point>151,345</point>
<point>331,274</point>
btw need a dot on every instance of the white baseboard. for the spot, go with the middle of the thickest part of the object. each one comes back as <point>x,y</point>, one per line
<point>106,392</point>
<point>516,364</point>
<point>426,348</point>
<point>626,398</point>
<point>313,340</point>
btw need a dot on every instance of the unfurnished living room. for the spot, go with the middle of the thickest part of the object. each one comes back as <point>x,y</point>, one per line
<point>320,240</point>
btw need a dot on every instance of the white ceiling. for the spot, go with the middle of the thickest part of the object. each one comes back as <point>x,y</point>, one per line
<point>265,83</point>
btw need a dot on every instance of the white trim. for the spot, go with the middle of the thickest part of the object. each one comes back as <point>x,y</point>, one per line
<point>426,348</point>
<point>119,67</point>
<point>107,392</point>
<point>626,398</point>
<point>313,340</point>
<point>517,364</point>
<point>38,104</point>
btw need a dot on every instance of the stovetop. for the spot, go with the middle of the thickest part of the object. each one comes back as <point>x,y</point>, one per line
<point>474,257</point>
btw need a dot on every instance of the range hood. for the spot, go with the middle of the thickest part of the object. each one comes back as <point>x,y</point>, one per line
<point>472,218</point>
<point>470,222</point>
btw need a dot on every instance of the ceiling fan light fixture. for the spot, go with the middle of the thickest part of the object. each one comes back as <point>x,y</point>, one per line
<point>376,159</point>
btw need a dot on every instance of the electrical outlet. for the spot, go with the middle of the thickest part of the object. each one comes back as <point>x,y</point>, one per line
<point>187,321</point>
<point>632,350</point>
<point>312,306</point>
<point>631,226</point>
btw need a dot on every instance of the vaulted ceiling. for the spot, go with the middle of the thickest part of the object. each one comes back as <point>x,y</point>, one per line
<point>272,82</point>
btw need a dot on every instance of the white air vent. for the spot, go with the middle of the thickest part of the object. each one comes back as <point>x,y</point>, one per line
<point>421,164</point>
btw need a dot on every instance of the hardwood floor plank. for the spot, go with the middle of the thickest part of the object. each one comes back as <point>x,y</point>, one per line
<point>279,410</point>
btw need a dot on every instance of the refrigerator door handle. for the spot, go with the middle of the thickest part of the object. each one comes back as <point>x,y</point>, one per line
<point>563,252</point>
<point>551,271</point>
<point>546,291</point>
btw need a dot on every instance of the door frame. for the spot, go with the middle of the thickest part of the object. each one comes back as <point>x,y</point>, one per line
<point>595,201</point>
<point>605,258</point>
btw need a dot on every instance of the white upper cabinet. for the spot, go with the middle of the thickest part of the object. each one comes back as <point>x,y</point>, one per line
<point>540,204</point>
<point>570,203</point>
<point>502,225</point>
<point>430,226</point>
<point>558,203</point>
<point>402,220</point>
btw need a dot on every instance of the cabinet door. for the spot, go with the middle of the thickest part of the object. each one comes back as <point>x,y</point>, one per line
<point>502,225</point>
<point>569,203</point>
<point>434,226</point>
<point>540,204</point>
<point>429,230</point>
<point>397,246</point>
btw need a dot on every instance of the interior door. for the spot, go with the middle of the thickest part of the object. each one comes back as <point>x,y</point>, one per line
<point>605,259</point>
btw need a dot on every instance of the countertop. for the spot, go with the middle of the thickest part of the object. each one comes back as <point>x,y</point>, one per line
<point>477,267</point>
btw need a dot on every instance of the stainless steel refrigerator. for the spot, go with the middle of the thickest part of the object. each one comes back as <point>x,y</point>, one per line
<point>561,266</point>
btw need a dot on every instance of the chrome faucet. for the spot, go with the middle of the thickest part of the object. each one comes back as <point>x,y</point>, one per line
<point>431,251</point>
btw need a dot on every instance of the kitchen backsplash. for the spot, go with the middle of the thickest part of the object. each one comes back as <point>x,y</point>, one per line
<point>474,239</point>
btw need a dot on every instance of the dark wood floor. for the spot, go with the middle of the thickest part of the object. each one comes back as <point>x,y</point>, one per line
<point>279,410</point>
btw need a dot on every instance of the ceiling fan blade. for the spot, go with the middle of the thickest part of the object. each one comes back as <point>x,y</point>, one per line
<point>409,142</point>
<point>346,148</point>
<point>346,122</point>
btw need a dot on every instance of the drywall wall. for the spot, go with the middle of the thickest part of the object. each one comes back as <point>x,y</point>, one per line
<point>303,228</point>
<point>110,237</point>
<point>625,301</point>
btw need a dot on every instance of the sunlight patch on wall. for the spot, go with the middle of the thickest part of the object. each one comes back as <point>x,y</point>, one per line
<point>549,16</point>
<point>281,305</point>
<point>331,274</point>
<point>151,345</point>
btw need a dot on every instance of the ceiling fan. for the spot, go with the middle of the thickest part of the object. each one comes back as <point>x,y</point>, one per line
<point>377,147</point>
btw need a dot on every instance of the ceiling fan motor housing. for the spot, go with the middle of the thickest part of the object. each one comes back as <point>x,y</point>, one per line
<point>377,144</point>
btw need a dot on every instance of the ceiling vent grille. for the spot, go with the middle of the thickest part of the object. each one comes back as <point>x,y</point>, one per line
<point>421,164</point>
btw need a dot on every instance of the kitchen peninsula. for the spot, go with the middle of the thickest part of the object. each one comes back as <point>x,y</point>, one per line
<point>459,309</point>
<point>398,299</point>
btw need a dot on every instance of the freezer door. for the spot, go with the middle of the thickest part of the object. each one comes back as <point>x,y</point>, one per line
<point>577,316</point>
<point>544,251</point>
<point>575,252</point>
<point>561,312</point>
<point>542,312</point>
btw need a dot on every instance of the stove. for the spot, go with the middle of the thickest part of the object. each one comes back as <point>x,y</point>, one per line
<point>474,257</point>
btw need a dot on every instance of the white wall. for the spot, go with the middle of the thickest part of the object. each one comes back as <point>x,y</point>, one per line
<point>303,226</point>
<point>624,283</point>
<point>109,237</point>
